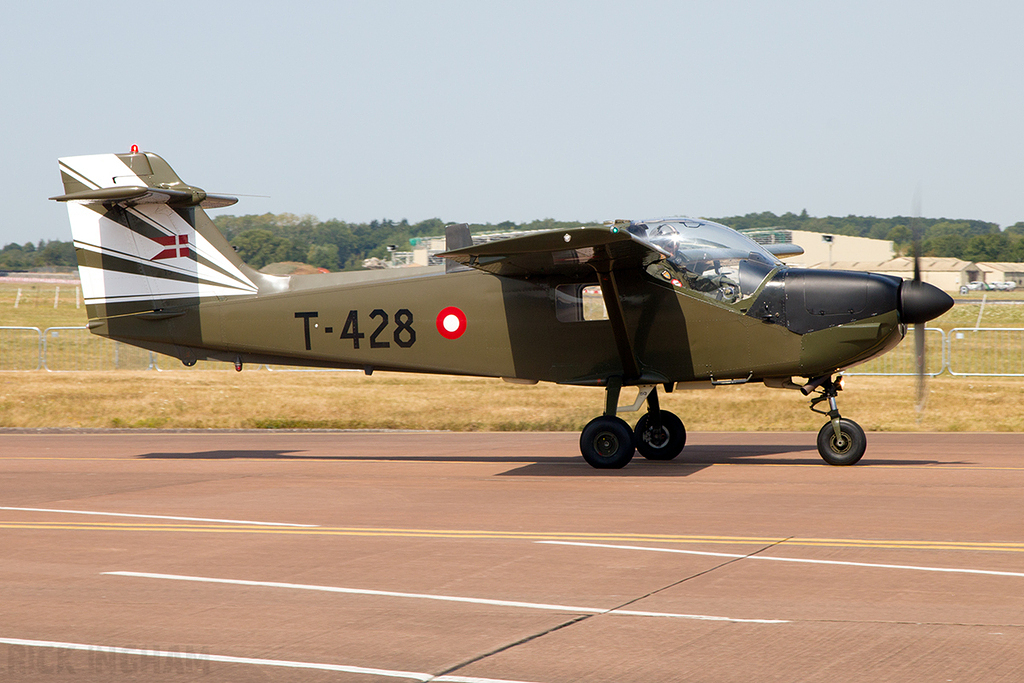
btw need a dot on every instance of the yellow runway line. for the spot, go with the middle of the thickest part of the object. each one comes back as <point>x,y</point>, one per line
<point>483,534</point>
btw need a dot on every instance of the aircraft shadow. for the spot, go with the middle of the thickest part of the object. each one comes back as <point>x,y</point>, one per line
<point>696,458</point>
<point>286,455</point>
<point>693,459</point>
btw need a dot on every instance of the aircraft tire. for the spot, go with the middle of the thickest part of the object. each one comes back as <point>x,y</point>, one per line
<point>847,452</point>
<point>607,443</point>
<point>660,444</point>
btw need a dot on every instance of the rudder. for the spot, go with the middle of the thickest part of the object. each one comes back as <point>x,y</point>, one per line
<point>142,238</point>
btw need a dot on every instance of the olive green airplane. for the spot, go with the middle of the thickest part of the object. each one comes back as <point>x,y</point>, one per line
<point>672,303</point>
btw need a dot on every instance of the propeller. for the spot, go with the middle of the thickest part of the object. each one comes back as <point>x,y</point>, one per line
<point>919,331</point>
<point>920,302</point>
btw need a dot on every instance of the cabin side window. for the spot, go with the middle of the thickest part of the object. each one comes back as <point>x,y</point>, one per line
<point>579,303</point>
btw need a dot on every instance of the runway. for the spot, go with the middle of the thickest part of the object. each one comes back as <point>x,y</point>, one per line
<point>362,556</point>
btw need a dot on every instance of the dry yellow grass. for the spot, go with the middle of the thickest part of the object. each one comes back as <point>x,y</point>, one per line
<point>343,400</point>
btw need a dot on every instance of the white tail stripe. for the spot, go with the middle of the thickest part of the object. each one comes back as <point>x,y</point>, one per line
<point>78,176</point>
<point>210,273</point>
<point>105,285</point>
<point>102,170</point>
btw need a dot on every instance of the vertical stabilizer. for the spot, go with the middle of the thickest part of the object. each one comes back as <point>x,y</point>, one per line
<point>142,238</point>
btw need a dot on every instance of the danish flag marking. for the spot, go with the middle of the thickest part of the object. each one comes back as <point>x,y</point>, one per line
<point>178,247</point>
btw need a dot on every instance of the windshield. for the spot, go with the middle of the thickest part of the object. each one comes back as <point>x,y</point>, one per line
<point>706,257</point>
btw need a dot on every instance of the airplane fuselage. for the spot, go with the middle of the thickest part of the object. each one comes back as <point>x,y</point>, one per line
<point>528,329</point>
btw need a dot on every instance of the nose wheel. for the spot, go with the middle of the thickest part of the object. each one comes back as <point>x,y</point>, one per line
<point>840,441</point>
<point>844,448</point>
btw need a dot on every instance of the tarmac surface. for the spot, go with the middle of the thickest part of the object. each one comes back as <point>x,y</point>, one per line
<point>357,556</point>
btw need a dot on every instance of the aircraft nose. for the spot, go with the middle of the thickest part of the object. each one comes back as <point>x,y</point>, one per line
<point>920,302</point>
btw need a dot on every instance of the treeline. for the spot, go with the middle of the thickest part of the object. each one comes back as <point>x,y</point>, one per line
<point>334,244</point>
<point>964,239</point>
<point>339,245</point>
<point>46,253</point>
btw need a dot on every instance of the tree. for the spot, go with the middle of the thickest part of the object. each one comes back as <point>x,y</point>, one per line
<point>323,256</point>
<point>900,237</point>
<point>987,248</point>
<point>260,247</point>
<point>55,253</point>
<point>945,245</point>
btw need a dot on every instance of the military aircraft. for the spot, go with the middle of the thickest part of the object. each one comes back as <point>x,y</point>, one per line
<point>675,303</point>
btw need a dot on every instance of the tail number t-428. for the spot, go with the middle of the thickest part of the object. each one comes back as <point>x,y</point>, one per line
<point>403,335</point>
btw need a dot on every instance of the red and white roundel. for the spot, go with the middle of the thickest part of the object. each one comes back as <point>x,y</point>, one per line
<point>451,322</point>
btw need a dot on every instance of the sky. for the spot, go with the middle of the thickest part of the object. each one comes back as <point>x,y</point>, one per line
<point>492,111</point>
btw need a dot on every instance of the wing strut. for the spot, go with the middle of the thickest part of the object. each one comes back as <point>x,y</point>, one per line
<point>613,304</point>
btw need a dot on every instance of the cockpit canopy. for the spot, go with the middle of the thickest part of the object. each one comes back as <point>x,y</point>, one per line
<point>705,257</point>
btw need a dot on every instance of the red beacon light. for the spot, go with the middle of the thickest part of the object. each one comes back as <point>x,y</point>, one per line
<point>135,149</point>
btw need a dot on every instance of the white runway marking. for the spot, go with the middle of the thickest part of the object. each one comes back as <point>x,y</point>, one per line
<point>201,657</point>
<point>178,519</point>
<point>948,570</point>
<point>444,598</point>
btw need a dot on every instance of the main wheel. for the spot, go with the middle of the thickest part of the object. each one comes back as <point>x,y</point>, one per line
<point>847,449</point>
<point>663,441</point>
<point>607,443</point>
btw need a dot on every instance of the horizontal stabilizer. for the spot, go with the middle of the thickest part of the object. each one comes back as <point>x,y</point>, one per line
<point>132,196</point>
<point>130,180</point>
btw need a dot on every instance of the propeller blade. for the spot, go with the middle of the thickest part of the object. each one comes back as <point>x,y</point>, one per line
<point>919,331</point>
<point>919,352</point>
<point>915,235</point>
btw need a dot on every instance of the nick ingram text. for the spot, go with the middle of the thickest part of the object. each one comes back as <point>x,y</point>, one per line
<point>55,661</point>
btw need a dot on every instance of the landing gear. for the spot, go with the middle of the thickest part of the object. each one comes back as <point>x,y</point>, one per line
<point>840,441</point>
<point>844,448</point>
<point>607,442</point>
<point>659,435</point>
<point>660,441</point>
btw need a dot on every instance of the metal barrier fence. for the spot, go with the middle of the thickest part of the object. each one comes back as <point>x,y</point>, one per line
<point>21,348</point>
<point>71,349</point>
<point>67,349</point>
<point>986,352</point>
<point>974,352</point>
<point>903,359</point>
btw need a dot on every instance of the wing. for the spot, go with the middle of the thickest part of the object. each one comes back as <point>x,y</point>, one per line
<point>573,252</point>
<point>784,250</point>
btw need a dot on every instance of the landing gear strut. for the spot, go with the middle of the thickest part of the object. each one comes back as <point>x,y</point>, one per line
<point>607,442</point>
<point>840,441</point>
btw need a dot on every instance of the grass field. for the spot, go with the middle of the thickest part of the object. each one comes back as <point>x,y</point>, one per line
<point>342,400</point>
<point>348,400</point>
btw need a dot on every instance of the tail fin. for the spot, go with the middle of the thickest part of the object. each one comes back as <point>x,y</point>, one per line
<point>142,238</point>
